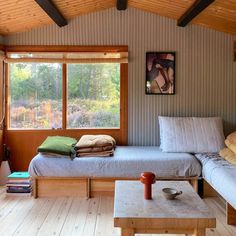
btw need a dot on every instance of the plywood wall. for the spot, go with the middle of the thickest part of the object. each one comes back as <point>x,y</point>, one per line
<point>1,39</point>
<point>205,72</point>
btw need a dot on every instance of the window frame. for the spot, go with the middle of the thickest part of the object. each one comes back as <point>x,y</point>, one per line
<point>120,134</point>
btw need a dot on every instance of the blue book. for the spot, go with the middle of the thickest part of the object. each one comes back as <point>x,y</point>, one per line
<point>19,175</point>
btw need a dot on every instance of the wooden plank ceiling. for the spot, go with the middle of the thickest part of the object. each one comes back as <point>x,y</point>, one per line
<point>22,15</point>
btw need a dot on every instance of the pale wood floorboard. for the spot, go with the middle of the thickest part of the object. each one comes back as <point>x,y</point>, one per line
<point>77,217</point>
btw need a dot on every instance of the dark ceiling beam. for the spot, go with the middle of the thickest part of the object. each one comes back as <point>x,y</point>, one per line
<point>193,11</point>
<point>121,5</point>
<point>52,12</point>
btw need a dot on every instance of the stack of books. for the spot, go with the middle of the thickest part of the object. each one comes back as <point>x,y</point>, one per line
<point>19,184</point>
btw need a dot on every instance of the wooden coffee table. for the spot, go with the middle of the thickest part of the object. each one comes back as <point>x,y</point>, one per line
<point>187,214</point>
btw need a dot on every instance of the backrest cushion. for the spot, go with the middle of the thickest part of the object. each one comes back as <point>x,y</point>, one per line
<point>191,134</point>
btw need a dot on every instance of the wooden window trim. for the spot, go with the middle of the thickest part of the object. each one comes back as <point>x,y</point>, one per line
<point>120,134</point>
<point>105,49</point>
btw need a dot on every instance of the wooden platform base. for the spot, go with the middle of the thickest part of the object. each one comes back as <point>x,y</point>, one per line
<point>231,214</point>
<point>209,191</point>
<point>84,187</point>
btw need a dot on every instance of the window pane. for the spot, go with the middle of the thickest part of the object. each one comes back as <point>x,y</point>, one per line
<point>93,95</point>
<point>35,96</point>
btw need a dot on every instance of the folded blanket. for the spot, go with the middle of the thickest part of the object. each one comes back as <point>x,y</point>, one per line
<point>95,149</point>
<point>232,138</point>
<point>96,154</point>
<point>88,141</point>
<point>58,145</point>
<point>228,155</point>
<point>230,145</point>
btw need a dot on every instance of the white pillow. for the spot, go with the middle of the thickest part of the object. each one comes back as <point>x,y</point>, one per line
<point>191,134</point>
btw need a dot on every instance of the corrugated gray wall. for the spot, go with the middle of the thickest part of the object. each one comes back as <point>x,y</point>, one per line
<point>205,72</point>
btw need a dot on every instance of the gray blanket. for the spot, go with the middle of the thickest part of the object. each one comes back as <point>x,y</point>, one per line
<point>128,161</point>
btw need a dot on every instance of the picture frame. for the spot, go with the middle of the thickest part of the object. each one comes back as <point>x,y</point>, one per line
<point>160,73</point>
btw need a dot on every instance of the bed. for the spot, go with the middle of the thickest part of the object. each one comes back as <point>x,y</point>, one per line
<point>94,173</point>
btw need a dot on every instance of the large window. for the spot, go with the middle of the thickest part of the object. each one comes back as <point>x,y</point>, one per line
<point>72,91</point>
<point>35,96</point>
<point>93,92</point>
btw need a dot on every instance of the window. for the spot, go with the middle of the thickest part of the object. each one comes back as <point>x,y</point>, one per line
<point>35,96</point>
<point>68,90</point>
<point>93,92</point>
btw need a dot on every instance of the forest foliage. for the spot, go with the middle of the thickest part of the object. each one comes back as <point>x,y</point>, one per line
<point>93,95</point>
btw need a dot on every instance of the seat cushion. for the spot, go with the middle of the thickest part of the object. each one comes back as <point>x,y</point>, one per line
<point>128,161</point>
<point>220,174</point>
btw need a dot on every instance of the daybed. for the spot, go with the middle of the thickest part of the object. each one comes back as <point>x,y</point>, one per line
<point>94,173</point>
<point>221,176</point>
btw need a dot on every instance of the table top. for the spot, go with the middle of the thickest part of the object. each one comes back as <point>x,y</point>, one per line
<point>129,202</point>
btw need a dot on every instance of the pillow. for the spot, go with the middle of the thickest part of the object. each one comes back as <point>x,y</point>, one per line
<point>228,155</point>
<point>230,145</point>
<point>232,138</point>
<point>191,134</point>
<point>58,145</point>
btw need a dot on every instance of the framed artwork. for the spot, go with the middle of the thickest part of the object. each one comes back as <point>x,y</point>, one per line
<point>160,73</point>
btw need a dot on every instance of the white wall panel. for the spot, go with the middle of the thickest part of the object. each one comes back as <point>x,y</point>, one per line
<point>205,72</point>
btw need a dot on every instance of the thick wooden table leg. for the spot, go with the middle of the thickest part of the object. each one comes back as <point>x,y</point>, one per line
<point>127,232</point>
<point>199,232</point>
<point>230,214</point>
<point>194,183</point>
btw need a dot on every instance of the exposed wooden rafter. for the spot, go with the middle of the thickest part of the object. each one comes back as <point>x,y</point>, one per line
<point>52,12</point>
<point>193,11</point>
<point>121,5</point>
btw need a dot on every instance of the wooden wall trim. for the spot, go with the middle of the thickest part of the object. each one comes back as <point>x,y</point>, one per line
<point>64,96</point>
<point>124,103</point>
<point>63,48</point>
<point>234,52</point>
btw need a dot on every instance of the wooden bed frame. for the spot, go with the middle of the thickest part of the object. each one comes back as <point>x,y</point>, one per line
<point>209,191</point>
<point>91,187</point>
<point>84,186</point>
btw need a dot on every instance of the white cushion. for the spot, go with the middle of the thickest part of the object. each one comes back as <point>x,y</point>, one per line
<point>191,134</point>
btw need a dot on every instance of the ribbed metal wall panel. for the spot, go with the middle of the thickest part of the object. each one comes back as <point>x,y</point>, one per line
<point>205,72</point>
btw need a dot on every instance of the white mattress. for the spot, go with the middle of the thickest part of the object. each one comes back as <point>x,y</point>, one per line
<point>220,174</point>
<point>128,161</point>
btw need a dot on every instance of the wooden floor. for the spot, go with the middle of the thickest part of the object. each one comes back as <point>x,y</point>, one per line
<point>75,216</point>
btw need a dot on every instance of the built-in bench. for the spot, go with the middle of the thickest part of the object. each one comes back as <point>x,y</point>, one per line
<point>220,176</point>
<point>61,176</point>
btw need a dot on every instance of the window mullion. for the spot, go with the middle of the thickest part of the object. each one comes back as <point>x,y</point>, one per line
<point>64,96</point>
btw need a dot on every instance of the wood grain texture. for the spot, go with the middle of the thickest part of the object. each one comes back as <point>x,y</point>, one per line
<point>197,7</point>
<point>52,11</point>
<point>28,15</point>
<point>231,214</point>
<point>188,214</point>
<point>83,186</point>
<point>55,187</point>
<point>209,191</point>
<point>42,216</point>
<point>234,53</point>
